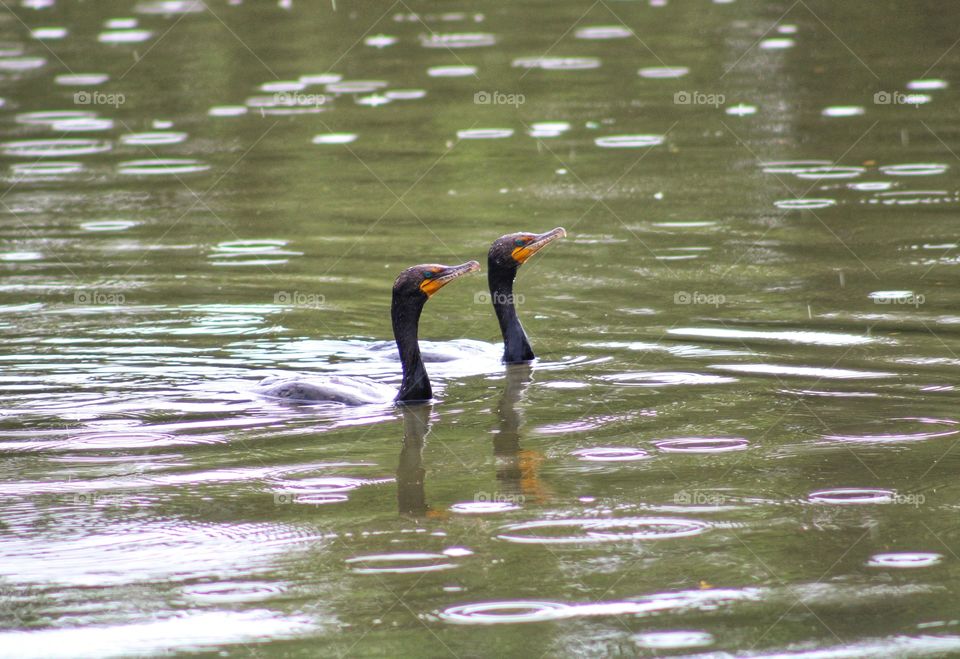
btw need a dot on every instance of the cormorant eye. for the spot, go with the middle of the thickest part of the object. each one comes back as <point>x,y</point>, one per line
<point>520,242</point>
<point>429,274</point>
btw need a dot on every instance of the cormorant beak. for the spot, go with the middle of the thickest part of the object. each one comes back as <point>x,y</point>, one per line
<point>445,275</point>
<point>521,254</point>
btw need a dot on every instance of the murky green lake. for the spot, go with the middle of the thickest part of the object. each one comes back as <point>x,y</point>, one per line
<point>739,439</point>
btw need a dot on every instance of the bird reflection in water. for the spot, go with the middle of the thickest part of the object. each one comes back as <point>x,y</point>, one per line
<point>411,495</point>
<point>517,469</point>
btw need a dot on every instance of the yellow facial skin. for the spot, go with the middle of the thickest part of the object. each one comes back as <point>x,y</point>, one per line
<point>534,243</point>
<point>441,275</point>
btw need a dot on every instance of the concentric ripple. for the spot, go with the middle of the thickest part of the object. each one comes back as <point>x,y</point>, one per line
<point>161,167</point>
<point>483,507</point>
<point>224,592</point>
<point>804,204</point>
<point>658,72</point>
<point>666,378</point>
<point>852,496</point>
<point>400,563</point>
<point>629,141</point>
<point>53,148</point>
<point>557,63</point>
<point>702,445</point>
<point>490,613</point>
<point>484,133</point>
<point>905,560</point>
<point>611,454</point>
<point>915,169</point>
<point>603,530</point>
<point>914,429</point>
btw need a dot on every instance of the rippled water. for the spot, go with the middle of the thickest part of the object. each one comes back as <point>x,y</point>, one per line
<point>740,436</point>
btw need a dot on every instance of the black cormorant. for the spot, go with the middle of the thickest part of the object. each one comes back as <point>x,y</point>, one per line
<point>411,290</point>
<point>506,256</point>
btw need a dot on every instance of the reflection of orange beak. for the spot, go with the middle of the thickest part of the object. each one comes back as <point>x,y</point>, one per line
<point>447,275</point>
<point>521,254</point>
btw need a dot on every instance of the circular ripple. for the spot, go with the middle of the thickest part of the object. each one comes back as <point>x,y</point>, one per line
<point>557,63</point>
<point>227,110</point>
<point>658,72</point>
<point>702,445</point>
<point>673,640</point>
<point>666,379</point>
<point>451,71</point>
<point>804,204</point>
<point>108,225</point>
<point>124,36</point>
<point>400,563</point>
<point>489,613</point>
<point>49,117</point>
<point>605,530</point>
<point>334,138</point>
<point>792,166</point>
<point>904,560</point>
<point>82,79</point>
<point>34,169</point>
<point>160,166</point>
<point>483,507</point>
<point>53,148</point>
<point>603,32</point>
<point>355,86</point>
<point>922,429</point>
<point>151,139</point>
<point>776,44</point>
<point>915,169</point>
<point>463,40</point>
<point>830,172</point>
<point>116,440</point>
<point>914,197</point>
<point>629,141</point>
<point>229,592</point>
<point>484,133</point>
<point>843,111</point>
<point>927,84</point>
<point>851,495</point>
<point>82,125</point>
<point>741,110</point>
<point>21,63</point>
<point>611,454</point>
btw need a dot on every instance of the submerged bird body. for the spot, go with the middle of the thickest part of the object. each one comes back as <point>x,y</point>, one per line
<point>506,256</point>
<point>411,290</point>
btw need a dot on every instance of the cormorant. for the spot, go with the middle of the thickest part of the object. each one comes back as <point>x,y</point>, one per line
<point>506,256</point>
<point>411,290</point>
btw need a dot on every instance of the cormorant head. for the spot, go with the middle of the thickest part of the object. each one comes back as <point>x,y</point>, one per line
<point>511,251</point>
<point>421,281</point>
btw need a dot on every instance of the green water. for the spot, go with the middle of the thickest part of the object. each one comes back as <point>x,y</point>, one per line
<point>742,423</point>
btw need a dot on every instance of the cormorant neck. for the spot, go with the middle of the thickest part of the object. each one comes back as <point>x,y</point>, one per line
<point>516,346</point>
<point>405,314</point>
